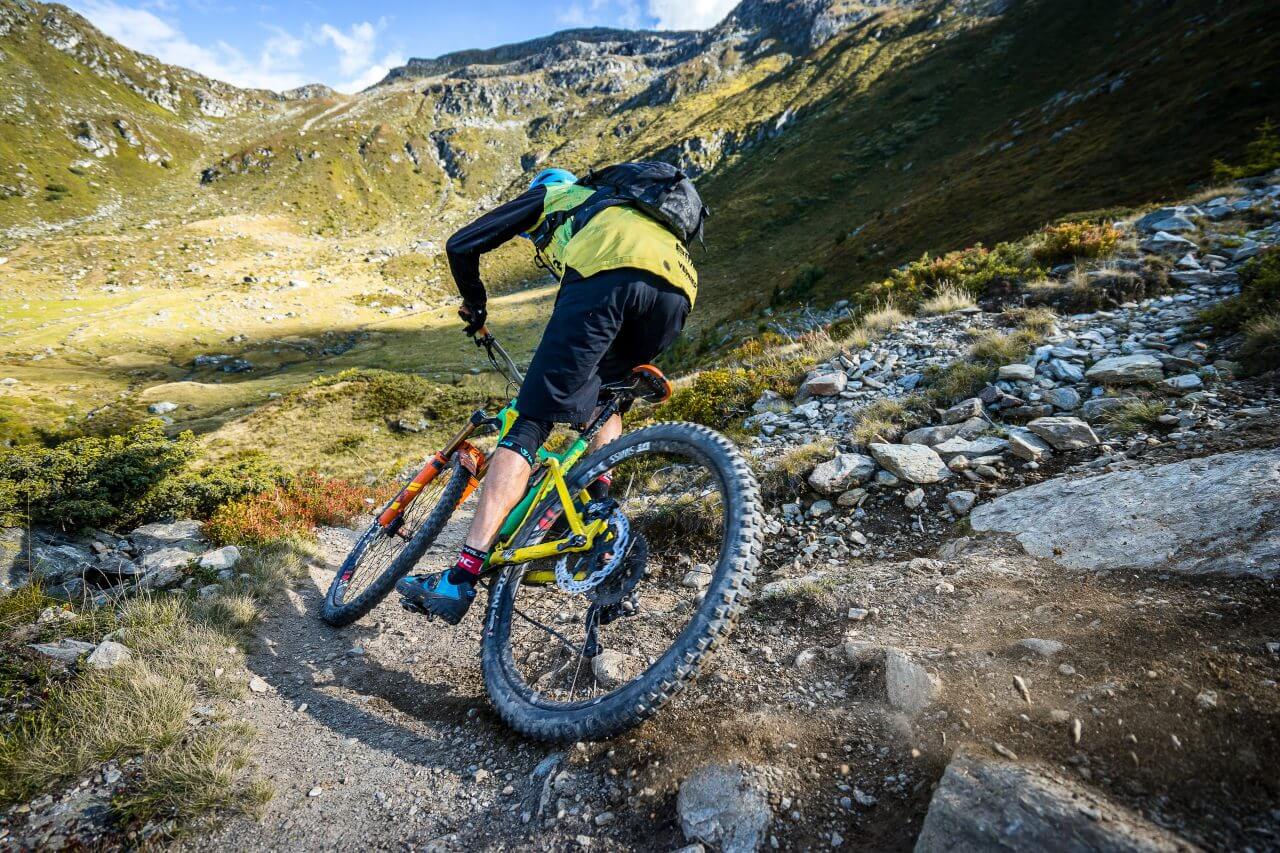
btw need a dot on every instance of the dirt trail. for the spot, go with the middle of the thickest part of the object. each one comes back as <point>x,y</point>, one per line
<point>387,719</point>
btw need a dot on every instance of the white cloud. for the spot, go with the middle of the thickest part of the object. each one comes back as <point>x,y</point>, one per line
<point>372,74</point>
<point>275,67</point>
<point>573,15</point>
<point>282,61</point>
<point>602,13</point>
<point>689,14</point>
<point>355,48</point>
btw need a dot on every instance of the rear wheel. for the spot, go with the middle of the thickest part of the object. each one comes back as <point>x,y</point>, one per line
<point>622,630</point>
<point>383,555</point>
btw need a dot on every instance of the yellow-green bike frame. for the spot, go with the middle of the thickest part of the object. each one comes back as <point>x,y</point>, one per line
<point>554,468</point>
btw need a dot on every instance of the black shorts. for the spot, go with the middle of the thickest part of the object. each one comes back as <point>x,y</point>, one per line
<point>600,329</point>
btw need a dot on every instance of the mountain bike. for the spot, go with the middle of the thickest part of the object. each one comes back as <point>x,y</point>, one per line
<point>600,610</point>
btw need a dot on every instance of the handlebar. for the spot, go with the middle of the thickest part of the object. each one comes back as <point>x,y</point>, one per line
<point>498,357</point>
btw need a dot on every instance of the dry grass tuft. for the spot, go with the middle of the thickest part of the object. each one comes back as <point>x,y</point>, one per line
<point>182,649</point>
<point>886,419</point>
<point>1137,416</point>
<point>785,476</point>
<point>1040,321</point>
<point>199,773</point>
<point>947,298</point>
<point>883,318</point>
<point>1260,351</point>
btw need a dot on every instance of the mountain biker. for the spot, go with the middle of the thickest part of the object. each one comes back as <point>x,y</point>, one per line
<point>626,286</point>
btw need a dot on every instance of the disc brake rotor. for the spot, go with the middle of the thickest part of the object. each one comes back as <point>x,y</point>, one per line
<point>599,562</point>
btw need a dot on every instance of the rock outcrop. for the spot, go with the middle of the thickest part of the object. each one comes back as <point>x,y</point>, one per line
<point>1218,514</point>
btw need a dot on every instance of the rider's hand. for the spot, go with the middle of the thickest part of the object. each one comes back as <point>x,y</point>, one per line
<point>474,315</point>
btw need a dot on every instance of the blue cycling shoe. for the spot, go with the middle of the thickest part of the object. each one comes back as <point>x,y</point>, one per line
<point>436,596</point>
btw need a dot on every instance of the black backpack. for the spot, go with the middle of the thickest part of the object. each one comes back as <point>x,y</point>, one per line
<point>657,189</point>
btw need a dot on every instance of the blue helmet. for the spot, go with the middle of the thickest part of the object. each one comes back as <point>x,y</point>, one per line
<point>553,176</point>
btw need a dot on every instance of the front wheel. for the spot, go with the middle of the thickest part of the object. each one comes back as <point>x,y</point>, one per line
<point>383,555</point>
<point>564,663</point>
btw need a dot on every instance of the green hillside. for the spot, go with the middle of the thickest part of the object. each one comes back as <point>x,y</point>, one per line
<point>1046,111</point>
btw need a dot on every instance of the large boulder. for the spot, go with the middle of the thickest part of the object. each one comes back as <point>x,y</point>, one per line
<point>844,472</point>
<point>1126,370</point>
<point>1164,243</point>
<point>985,804</point>
<point>1064,433</point>
<point>66,651</point>
<point>1025,444</point>
<point>985,445</point>
<point>914,463</point>
<point>724,806</point>
<point>184,534</point>
<point>48,556</point>
<point>109,654</point>
<point>1151,222</point>
<point>1217,514</point>
<point>1099,406</point>
<point>825,384</point>
<point>220,559</point>
<point>934,435</point>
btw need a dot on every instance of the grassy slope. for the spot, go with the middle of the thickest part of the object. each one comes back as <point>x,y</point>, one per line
<point>45,93</point>
<point>909,159</point>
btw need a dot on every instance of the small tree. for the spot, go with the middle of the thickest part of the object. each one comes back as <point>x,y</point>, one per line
<point>1262,155</point>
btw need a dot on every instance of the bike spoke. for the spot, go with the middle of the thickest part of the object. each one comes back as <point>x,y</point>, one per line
<point>676,505</point>
<point>379,553</point>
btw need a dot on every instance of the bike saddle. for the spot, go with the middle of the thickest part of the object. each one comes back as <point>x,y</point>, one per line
<point>646,382</point>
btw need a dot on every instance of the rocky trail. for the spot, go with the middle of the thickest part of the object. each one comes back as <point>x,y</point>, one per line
<point>1017,627</point>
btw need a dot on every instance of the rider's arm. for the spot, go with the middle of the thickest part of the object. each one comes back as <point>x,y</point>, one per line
<point>487,233</point>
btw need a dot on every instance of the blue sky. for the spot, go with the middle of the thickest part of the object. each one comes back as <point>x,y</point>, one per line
<point>279,45</point>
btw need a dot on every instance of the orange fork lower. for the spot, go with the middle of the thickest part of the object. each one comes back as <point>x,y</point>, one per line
<point>428,473</point>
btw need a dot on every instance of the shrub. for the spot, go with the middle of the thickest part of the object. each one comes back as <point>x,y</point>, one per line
<point>947,298</point>
<point>755,347</point>
<point>1262,155</point>
<point>1259,295</point>
<point>717,397</point>
<point>1260,351</point>
<point>197,494</point>
<point>801,285</point>
<point>286,512</point>
<point>1070,241</point>
<point>91,481</point>
<point>384,392</point>
<point>974,271</point>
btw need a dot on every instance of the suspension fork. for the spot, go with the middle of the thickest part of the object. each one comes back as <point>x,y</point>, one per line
<point>474,461</point>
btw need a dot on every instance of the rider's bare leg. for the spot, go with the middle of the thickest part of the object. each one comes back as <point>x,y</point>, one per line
<point>612,429</point>
<point>504,485</point>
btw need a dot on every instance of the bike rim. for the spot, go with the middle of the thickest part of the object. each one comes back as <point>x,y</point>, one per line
<point>676,504</point>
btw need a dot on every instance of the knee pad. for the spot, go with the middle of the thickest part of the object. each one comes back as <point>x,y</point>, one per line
<point>526,436</point>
